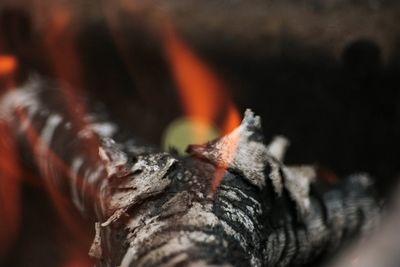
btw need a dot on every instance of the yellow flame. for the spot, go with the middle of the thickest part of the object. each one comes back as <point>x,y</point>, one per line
<point>203,94</point>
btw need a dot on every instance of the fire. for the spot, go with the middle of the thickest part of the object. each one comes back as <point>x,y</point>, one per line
<point>232,120</point>
<point>198,87</point>
<point>8,64</point>
<point>203,96</point>
<point>202,93</point>
<point>60,44</point>
<point>10,191</point>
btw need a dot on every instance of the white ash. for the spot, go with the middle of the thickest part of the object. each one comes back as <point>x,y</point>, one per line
<point>76,165</point>
<point>148,228</point>
<point>47,133</point>
<point>115,160</point>
<point>230,194</point>
<point>274,246</point>
<point>231,232</point>
<point>199,215</point>
<point>254,209</point>
<point>225,189</point>
<point>91,177</point>
<point>278,146</point>
<point>177,204</point>
<point>104,129</point>
<point>251,157</point>
<point>179,244</point>
<point>275,175</point>
<point>236,215</point>
<point>240,151</point>
<point>144,231</point>
<point>297,182</point>
<point>141,179</point>
<point>176,260</point>
<point>95,249</point>
<point>24,97</point>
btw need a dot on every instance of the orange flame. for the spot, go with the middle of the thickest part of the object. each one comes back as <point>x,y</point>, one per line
<point>198,87</point>
<point>8,64</point>
<point>60,45</point>
<point>202,93</point>
<point>231,122</point>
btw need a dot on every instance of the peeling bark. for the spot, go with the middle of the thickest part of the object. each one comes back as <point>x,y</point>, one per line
<point>154,209</point>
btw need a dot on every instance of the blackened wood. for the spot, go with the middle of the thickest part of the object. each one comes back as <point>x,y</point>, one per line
<point>156,209</point>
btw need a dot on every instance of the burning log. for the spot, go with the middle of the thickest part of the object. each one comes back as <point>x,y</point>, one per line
<point>155,208</point>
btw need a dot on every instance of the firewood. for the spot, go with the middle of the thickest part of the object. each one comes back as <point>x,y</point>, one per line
<point>154,208</point>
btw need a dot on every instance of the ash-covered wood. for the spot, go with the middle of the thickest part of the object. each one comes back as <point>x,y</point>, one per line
<point>155,209</point>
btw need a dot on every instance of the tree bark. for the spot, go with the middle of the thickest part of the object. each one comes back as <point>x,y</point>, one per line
<point>158,209</point>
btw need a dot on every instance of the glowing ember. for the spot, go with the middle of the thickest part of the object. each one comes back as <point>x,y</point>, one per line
<point>202,93</point>
<point>8,64</point>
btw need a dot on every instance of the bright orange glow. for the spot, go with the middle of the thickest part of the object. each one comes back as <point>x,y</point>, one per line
<point>232,120</point>
<point>202,93</point>
<point>199,88</point>
<point>8,64</point>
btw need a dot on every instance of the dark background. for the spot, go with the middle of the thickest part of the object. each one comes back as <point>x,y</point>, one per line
<point>323,73</point>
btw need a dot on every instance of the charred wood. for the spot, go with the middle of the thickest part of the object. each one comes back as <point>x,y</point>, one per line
<point>155,208</point>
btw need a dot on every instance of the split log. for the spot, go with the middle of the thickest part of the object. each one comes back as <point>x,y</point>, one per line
<point>156,209</point>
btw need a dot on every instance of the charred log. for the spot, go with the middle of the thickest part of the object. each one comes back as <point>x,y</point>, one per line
<point>155,208</point>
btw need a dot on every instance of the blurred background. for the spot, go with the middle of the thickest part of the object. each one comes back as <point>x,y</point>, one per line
<point>325,74</point>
